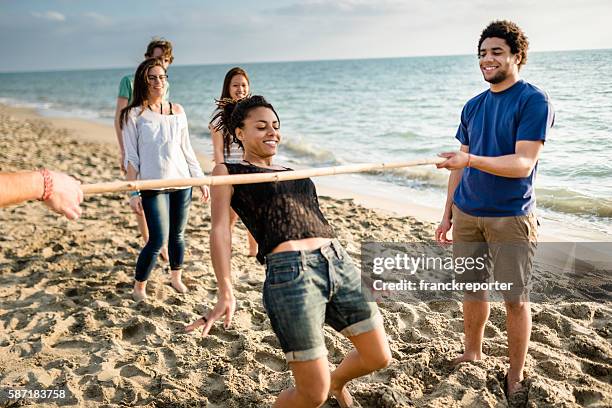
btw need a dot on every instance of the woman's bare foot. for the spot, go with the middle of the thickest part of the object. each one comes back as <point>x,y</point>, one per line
<point>468,356</point>
<point>140,291</point>
<point>177,282</point>
<point>342,395</point>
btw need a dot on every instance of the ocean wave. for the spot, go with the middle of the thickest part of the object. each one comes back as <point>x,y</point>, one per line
<point>572,202</point>
<point>426,176</point>
<point>54,109</point>
<point>304,152</point>
<point>308,154</point>
<point>24,104</point>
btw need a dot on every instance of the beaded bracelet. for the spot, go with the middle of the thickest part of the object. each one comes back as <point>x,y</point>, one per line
<point>135,194</point>
<point>47,184</point>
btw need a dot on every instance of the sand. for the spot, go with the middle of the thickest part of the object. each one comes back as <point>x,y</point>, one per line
<point>67,320</point>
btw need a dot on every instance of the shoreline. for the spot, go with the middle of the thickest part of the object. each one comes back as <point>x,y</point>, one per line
<point>97,132</point>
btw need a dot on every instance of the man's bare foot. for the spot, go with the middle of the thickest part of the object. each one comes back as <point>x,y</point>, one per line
<point>342,395</point>
<point>176,281</point>
<point>164,254</point>
<point>140,291</point>
<point>465,357</point>
<point>514,387</point>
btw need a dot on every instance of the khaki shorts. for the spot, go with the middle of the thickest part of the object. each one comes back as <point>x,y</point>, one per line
<point>506,244</point>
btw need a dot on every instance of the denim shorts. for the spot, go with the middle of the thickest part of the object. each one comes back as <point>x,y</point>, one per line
<point>305,289</point>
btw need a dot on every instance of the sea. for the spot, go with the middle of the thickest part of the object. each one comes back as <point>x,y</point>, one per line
<point>339,112</point>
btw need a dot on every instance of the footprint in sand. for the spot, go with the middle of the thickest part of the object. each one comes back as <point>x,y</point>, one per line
<point>77,345</point>
<point>234,349</point>
<point>545,335</point>
<point>123,286</point>
<point>592,348</point>
<point>448,307</point>
<point>133,370</point>
<point>259,319</point>
<point>271,361</point>
<point>74,292</point>
<point>19,321</point>
<point>556,369</point>
<point>136,330</point>
<point>602,372</point>
<point>271,340</point>
<point>227,336</point>
<point>579,311</point>
<point>407,319</point>
<point>587,397</point>
<point>169,357</point>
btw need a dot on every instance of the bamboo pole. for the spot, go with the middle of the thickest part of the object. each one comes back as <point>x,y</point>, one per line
<point>118,186</point>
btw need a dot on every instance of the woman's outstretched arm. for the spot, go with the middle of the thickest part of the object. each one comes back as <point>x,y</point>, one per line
<point>220,248</point>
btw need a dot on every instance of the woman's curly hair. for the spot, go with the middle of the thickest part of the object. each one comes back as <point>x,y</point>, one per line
<point>232,113</point>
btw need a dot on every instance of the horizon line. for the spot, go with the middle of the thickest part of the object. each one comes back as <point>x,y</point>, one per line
<point>287,61</point>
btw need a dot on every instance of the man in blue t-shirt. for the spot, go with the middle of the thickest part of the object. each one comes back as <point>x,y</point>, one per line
<point>491,197</point>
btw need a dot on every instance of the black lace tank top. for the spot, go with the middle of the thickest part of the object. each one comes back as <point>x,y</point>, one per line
<point>276,212</point>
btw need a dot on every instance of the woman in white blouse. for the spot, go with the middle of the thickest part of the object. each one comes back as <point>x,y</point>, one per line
<point>157,146</point>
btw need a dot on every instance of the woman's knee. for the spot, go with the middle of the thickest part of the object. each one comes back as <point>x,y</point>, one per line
<point>316,394</point>
<point>155,244</point>
<point>177,236</point>
<point>373,349</point>
<point>379,360</point>
<point>384,360</point>
<point>312,380</point>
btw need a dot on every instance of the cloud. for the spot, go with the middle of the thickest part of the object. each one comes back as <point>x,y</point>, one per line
<point>50,16</point>
<point>97,18</point>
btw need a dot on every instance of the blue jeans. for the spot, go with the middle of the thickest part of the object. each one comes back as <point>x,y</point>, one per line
<point>166,214</point>
<point>305,289</point>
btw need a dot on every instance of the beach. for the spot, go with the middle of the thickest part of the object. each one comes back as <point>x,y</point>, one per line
<point>68,322</point>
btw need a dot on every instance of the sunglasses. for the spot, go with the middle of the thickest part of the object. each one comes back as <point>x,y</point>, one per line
<point>153,78</point>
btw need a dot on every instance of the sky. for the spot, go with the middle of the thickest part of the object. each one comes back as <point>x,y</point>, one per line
<point>69,34</point>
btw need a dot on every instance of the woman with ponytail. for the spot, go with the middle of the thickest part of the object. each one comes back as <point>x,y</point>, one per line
<point>157,146</point>
<point>310,278</point>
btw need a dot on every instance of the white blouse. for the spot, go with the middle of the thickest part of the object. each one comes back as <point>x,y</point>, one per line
<point>158,146</point>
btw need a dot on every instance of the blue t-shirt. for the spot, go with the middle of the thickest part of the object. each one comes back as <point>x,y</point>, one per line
<point>491,124</point>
